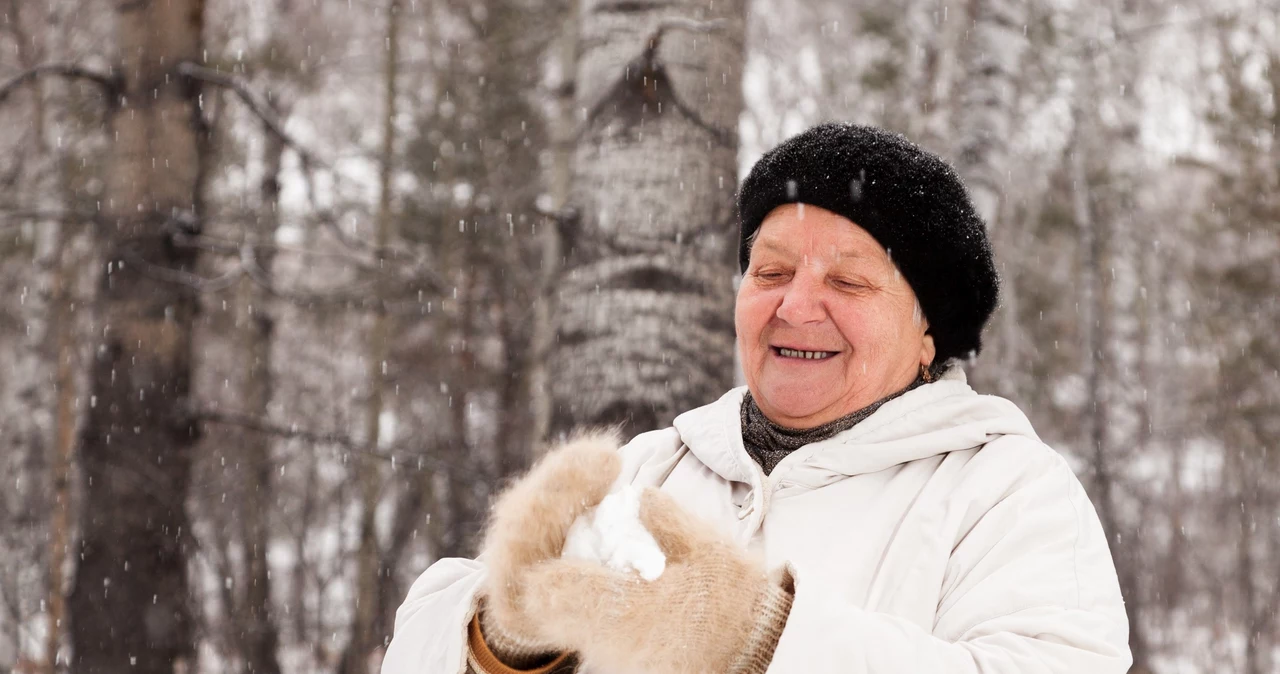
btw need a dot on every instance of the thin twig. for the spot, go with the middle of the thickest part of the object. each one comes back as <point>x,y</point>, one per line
<point>1146,29</point>
<point>65,217</point>
<point>156,272</point>
<point>356,295</point>
<point>228,246</point>
<point>256,105</point>
<point>1086,43</point>
<point>418,264</point>
<point>309,162</point>
<point>13,220</point>
<point>260,425</point>
<point>348,295</point>
<point>109,83</point>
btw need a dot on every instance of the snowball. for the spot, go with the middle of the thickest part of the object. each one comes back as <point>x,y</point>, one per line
<point>613,535</point>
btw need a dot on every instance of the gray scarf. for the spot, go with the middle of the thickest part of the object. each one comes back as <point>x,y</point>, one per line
<point>768,443</point>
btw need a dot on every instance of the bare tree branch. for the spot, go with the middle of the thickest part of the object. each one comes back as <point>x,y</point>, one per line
<point>259,107</point>
<point>420,270</point>
<point>227,246</point>
<point>354,296</point>
<point>310,162</point>
<point>199,283</point>
<point>417,265</point>
<point>308,159</point>
<point>109,83</point>
<point>343,440</point>
<point>1136,33</point>
<point>20,217</point>
<point>356,293</point>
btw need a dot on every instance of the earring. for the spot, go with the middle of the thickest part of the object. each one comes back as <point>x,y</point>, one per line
<point>925,374</point>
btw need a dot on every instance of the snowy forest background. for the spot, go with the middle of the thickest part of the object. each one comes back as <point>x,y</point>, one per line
<point>289,287</point>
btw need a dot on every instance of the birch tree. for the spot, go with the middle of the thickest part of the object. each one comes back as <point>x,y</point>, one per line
<point>1237,268</point>
<point>991,56</point>
<point>489,221</point>
<point>559,175</point>
<point>129,608</point>
<point>986,107</point>
<point>368,472</point>
<point>644,325</point>
<point>259,630</point>
<point>1104,404</point>
<point>65,354</point>
<point>53,356</point>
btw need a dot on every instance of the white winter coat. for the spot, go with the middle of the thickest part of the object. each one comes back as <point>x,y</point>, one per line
<point>937,535</point>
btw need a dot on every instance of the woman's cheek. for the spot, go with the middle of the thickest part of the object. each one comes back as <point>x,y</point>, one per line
<point>758,306</point>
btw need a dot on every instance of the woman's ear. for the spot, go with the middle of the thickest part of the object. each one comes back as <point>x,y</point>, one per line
<point>927,350</point>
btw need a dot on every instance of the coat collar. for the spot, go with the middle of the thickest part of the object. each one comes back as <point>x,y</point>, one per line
<point>944,416</point>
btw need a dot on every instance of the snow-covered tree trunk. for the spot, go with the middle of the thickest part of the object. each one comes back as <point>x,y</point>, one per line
<point>559,180</point>
<point>1238,257</point>
<point>1099,360</point>
<point>990,51</point>
<point>51,352</point>
<point>1093,318</point>
<point>258,632</point>
<point>645,319</point>
<point>130,609</point>
<point>65,419</point>
<point>939,66</point>
<point>29,455</point>
<point>355,658</point>
<point>991,57</point>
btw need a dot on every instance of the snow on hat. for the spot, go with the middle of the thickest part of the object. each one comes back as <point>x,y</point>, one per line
<point>912,202</point>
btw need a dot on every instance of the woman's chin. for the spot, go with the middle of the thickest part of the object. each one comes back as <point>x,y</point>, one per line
<point>790,406</point>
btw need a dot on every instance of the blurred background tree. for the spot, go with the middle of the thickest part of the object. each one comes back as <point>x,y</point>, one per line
<point>400,244</point>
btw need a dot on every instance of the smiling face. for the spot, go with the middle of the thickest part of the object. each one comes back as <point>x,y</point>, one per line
<point>826,323</point>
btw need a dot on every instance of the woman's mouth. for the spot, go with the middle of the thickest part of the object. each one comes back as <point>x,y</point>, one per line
<point>802,354</point>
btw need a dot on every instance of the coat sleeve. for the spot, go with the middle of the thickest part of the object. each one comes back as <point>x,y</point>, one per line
<point>431,627</point>
<point>1030,588</point>
<point>431,624</point>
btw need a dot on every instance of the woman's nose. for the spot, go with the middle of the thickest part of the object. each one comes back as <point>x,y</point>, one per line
<point>802,304</point>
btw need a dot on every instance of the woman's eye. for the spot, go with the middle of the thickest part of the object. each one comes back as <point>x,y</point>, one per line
<point>848,284</point>
<point>771,275</point>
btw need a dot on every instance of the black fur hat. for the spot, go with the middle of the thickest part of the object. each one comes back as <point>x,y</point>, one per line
<point>912,202</point>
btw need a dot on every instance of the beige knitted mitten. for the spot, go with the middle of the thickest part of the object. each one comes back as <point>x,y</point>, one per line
<point>529,524</point>
<point>713,610</point>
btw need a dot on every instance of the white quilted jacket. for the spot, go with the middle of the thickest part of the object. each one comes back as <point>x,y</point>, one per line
<point>938,535</point>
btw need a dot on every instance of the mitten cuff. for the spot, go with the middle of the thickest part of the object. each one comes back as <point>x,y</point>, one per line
<point>494,650</point>
<point>771,613</point>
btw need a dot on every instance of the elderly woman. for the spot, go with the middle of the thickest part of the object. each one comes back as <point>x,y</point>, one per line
<point>855,508</point>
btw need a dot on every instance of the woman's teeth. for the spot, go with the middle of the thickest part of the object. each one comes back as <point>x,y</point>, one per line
<point>810,355</point>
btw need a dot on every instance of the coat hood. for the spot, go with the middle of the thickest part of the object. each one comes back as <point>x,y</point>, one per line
<point>936,418</point>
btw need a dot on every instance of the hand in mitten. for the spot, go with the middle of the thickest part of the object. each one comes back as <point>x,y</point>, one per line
<point>528,527</point>
<point>713,610</point>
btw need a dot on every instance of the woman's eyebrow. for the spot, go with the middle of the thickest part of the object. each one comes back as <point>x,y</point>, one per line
<point>775,246</point>
<point>849,253</point>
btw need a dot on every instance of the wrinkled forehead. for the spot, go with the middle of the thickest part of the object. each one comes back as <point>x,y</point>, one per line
<point>799,231</point>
